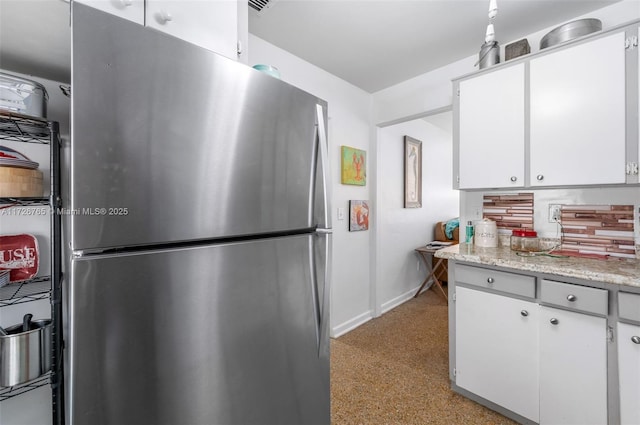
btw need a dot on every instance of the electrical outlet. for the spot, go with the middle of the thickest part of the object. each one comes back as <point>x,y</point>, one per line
<point>554,213</point>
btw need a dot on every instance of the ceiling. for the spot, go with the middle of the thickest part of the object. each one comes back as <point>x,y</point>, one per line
<point>373,44</point>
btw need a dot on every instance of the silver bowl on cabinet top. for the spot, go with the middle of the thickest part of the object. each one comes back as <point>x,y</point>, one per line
<point>569,31</point>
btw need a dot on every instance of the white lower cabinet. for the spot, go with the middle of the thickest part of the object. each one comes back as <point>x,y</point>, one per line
<point>497,349</point>
<point>629,373</point>
<point>573,368</point>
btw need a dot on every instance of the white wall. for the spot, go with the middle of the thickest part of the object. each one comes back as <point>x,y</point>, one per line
<point>401,230</point>
<point>350,125</point>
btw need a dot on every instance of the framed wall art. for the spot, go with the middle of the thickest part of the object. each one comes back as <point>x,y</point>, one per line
<point>353,164</point>
<point>412,173</point>
<point>358,215</point>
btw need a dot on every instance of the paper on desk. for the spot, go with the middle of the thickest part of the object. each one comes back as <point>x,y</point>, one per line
<point>438,244</point>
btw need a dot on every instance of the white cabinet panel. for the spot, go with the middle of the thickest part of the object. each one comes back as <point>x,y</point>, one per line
<point>211,24</point>
<point>132,10</point>
<point>497,349</point>
<point>629,367</point>
<point>492,129</point>
<point>573,368</point>
<point>578,114</point>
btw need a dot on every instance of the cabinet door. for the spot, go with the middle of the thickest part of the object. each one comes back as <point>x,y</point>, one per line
<point>497,349</point>
<point>132,10</point>
<point>578,114</point>
<point>491,136</point>
<point>211,24</point>
<point>573,368</point>
<point>629,369</point>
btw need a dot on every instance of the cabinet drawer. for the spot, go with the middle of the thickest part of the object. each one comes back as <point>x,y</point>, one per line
<point>510,283</point>
<point>591,300</point>
<point>629,306</point>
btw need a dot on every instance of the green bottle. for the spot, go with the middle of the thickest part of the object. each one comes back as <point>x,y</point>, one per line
<point>469,234</point>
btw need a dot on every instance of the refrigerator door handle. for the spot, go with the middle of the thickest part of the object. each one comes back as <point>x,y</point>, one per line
<point>323,293</point>
<point>324,163</point>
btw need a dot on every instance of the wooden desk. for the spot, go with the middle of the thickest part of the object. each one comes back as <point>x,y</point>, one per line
<point>427,254</point>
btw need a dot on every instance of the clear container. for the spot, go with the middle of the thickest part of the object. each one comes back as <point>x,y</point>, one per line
<point>525,241</point>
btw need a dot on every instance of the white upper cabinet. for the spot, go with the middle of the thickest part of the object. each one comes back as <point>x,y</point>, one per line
<point>492,132</point>
<point>634,167</point>
<point>132,10</point>
<point>578,114</point>
<point>217,25</point>
<point>211,24</point>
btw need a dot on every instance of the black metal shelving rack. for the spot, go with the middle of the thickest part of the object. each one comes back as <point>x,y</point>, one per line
<point>22,128</point>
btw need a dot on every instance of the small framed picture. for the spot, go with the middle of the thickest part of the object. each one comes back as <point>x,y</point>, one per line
<point>358,215</point>
<point>412,173</point>
<point>353,165</point>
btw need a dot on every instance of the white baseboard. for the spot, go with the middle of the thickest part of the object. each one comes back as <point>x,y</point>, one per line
<point>363,318</point>
<point>351,324</point>
<point>391,304</point>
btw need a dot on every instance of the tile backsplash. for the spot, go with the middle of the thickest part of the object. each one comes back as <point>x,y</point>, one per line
<point>509,211</point>
<point>599,229</point>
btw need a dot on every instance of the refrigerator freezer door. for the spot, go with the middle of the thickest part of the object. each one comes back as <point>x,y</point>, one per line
<point>223,334</point>
<point>171,142</point>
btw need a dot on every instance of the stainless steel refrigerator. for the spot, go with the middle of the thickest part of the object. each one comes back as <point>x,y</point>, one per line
<point>198,236</point>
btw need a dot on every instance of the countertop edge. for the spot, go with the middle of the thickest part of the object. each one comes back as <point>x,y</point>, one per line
<point>618,271</point>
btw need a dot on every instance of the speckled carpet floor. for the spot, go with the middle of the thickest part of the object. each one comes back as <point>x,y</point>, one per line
<point>394,370</point>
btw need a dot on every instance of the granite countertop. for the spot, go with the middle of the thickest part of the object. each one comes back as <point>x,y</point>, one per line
<point>617,271</point>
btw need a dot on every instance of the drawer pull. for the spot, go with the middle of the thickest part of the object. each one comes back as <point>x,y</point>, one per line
<point>571,298</point>
<point>514,179</point>
<point>539,177</point>
<point>490,280</point>
<point>635,339</point>
<point>554,321</point>
<point>524,313</point>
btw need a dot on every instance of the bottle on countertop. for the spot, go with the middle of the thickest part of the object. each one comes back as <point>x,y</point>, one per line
<point>469,232</point>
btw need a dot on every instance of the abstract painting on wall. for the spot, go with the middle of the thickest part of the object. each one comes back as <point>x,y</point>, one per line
<point>353,166</point>
<point>358,215</point>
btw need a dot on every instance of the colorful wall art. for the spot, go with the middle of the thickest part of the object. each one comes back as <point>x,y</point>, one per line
<point>358,215</point>
<point>354,166</point>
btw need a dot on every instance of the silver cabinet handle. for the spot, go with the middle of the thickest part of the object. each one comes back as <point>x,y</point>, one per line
<point>524,313</point>
<point>635,339</point>
<point>165,17</point>
<point>571,298</point>
<point>514,179</point>
<point>539,177</point>
<point>554,321</point>
<point>490,280</point>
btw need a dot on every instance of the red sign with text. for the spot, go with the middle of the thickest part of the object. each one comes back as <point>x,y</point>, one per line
<point>19,254</point>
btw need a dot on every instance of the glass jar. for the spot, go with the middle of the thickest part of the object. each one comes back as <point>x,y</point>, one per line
<point>525,241</point>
